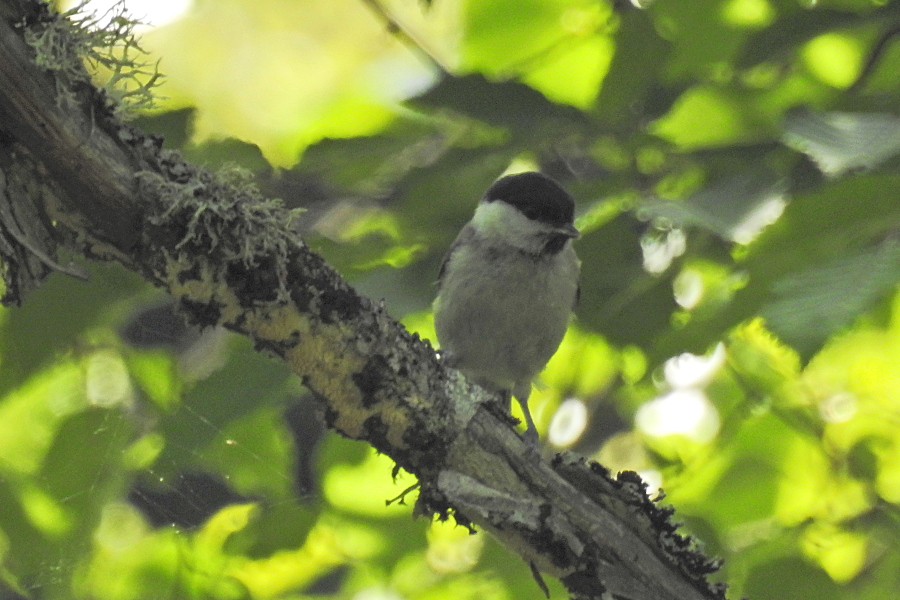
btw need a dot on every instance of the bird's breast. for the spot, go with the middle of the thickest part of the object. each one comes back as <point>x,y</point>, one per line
<point>502,314</point>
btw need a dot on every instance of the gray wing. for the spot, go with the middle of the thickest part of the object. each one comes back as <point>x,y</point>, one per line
<point>465,234</point>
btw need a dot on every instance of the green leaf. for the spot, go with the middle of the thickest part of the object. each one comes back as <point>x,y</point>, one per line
<point>25,548</point>
<point>805,581</point>
<point>248,382</point>
<point>439,198</point>
<point>215,154</point>
<point>176,126</point>
<point>157,374</point>
<point>82,481</point>
<point>65,502</point>
<point>712,116</point>
<point>343,487</point>
<point>734,209</point>
<point>254,453</point>
<point>365,166</point>
<point>839,218</point>
<point>810,306</point>
<point>816,227</point>
<point>633,91</point>
<point>839,142</point>
<point>31,415</point>
<point>56,314</point>
<point>526,113</point>
<point>275,526</point>
<point>794,28</point>
<point>501,34</point>
<point>619,298</point>
<point>702,36</point>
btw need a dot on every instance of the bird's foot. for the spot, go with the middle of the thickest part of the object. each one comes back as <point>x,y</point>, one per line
<point>531,439</point>
<point>530,436</point>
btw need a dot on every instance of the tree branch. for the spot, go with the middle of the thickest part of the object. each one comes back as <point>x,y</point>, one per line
<point>233,258</point>
<point>96,179</point>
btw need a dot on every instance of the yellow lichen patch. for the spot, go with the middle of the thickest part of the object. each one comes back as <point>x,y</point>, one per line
<point>350,420</point>
<point>323,356</point>
<point>200,290</point>
<point>396,417</point>
<point>278,324</point>
<point>327,355</point>
<point>206,289</point>
<point>325,350</point>
<point>230,307</point>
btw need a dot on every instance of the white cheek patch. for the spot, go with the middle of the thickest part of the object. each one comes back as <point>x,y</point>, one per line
<point>499,221</point>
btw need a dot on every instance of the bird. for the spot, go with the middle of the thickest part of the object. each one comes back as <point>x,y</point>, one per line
<point>508,285</point>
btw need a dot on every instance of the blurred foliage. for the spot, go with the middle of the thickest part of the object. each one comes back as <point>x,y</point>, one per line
<point>735,164</point>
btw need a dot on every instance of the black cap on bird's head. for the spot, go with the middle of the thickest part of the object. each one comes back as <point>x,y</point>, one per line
<point>537,196</point>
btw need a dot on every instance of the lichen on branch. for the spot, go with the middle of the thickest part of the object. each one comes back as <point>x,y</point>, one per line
<point>223,215</point>
<point>82,47</point>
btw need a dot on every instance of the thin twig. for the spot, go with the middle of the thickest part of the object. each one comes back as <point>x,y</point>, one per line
<point>876,54</point>
<point>403,34</point>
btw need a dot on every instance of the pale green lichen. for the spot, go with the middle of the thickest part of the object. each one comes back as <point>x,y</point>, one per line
<point>83,47</point>
<point>223,214</point>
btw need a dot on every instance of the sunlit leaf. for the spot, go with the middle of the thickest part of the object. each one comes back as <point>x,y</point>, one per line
<point>573,74</point>
<point>841,553</point>
<point>222,525</point>
<point>735,209</point>
<point>127,556</point>
<point>32,414</point>
<point>712,117</point>
<point>842,142</point>
<point>156,373</point>
<point>247,67</point>
<point>795,27</point>
<point>834,58</point>
<point>367,487</point>
<point>503,34</point>
<point>583,365</point>
<point>810,489</point>
<point>762,360</point>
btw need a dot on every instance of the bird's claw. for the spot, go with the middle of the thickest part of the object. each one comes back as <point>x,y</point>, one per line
<point>531,438</point>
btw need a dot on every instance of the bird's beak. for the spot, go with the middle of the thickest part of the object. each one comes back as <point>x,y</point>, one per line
<point>569,231</point>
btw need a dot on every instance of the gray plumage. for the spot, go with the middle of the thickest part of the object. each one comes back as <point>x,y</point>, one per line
<point>508,285</point>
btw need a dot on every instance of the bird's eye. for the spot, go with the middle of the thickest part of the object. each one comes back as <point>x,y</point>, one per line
<point>555,243</point>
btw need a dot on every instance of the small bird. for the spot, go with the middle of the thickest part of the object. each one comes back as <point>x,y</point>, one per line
<point>508,285</point>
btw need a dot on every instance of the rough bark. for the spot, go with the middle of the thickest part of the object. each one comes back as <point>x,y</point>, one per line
<point>80,178</point>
